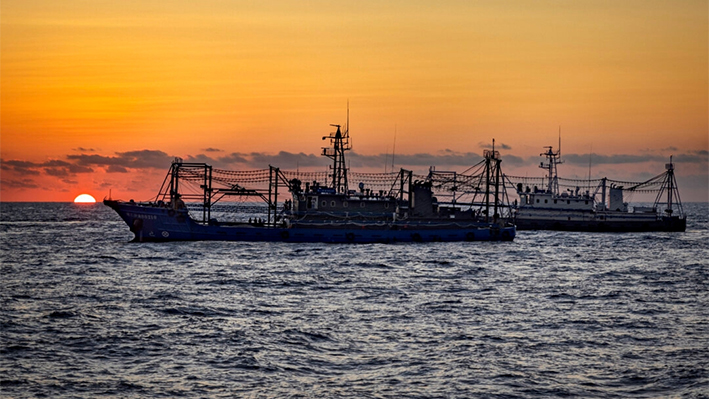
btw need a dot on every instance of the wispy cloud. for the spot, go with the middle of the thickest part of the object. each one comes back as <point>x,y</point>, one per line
<point>21,184</point>
<point>498,146</point>
<point>20,172</point>
<point>132,159</point>
<point>699,156</point>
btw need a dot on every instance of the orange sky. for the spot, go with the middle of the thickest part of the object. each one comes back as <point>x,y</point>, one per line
<point>105,78</point>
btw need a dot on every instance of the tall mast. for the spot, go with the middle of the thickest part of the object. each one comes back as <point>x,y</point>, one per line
<point>553,159</point>
<point>670,180</point>
<point>340,143</point>
<point>670,184</point>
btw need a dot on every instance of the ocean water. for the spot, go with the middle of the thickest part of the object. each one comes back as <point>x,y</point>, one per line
<point>84,313</point>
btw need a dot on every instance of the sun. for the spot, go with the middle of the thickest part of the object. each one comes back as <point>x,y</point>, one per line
<point>84,199</point>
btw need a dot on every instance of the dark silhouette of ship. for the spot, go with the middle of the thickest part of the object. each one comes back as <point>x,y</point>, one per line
<point>197,202</point>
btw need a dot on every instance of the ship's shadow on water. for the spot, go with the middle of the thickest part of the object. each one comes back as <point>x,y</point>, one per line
<point>85,313</point>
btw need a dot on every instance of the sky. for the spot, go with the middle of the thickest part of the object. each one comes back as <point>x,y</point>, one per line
<point>99,96</point>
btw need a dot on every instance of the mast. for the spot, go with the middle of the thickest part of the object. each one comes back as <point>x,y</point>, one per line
<point>492,160</point>
<point>553,159</point>
<point>670,184</point>
<point>340,143</point>
<point>670,179</point>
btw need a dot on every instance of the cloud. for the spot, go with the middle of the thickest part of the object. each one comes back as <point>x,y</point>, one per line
<point>116,169</point>
<point>132,159</point>
<point>142,160</point>
<point>210,149</point>
<point>19,184</point>
<point>20,167</point>
<point>583,159</point>
<point>233,158</point>
<point>498,146</point>
<point>53,167</point>
<point>699,156</point>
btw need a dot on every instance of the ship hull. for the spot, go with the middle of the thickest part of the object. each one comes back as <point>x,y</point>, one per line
<point>156,224</point>
<point>609,223</point>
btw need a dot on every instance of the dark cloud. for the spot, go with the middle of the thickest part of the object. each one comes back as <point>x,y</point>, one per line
<point>53,167</point>
<point>116,169</point>
<point>512,160</point>
<point>202,158</point>
<point>131,159</point>
<point>82,149</point>
<point>583,159</point>
<point>210,149</point>
<point>498,146</point>
<point>287,160</point>
<point>20,167</point>
<point>24,183</point>
<point>233,158</point>
<point>696,157</point>
<point>56,172</point>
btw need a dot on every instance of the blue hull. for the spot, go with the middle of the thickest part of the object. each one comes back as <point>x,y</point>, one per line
<point>152,223</point>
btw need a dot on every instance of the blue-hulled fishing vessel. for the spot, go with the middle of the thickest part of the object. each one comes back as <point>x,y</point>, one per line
<point>199,202</point>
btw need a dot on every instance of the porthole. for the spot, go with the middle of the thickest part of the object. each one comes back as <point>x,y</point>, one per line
<point>345,204</point>
<point>324,204</point>
<point>332,204</point>
<point>361,204</point>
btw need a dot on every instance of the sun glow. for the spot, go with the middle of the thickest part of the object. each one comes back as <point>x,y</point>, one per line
<point>84,199</point>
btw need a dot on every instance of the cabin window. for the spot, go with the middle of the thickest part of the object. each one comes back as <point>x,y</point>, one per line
<point>345,204</point>
<point>361,204</point>
<point>568,201</point>
<point>332,204</point>
<point>546,201</point>
<point>324,204</point>
<point>555,201</point>
<point>537,200</point>
<point>310,202</point>
<point>386,205</point>
<point>586,202</point>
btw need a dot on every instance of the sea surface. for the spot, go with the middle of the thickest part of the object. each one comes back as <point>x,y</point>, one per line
<point>84,313</point>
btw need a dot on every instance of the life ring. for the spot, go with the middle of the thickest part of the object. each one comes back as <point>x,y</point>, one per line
<point>470,236</point>
<point>171,213</point>
<point>350,236</point>
<point>285,234</point>
<point>416,237</point>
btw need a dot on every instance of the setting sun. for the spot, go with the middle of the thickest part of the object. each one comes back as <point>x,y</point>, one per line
<point>84,199</point>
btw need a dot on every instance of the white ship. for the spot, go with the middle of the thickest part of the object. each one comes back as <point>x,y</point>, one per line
<point>547,208</point>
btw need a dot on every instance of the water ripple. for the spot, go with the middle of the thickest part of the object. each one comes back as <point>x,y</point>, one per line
<point>84,313</point>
